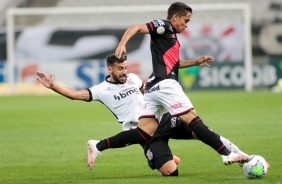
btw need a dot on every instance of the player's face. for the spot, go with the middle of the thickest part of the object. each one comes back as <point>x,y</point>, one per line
<point>181,23</point>
<point>118,72</point>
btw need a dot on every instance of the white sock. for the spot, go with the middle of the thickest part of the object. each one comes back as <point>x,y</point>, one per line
<point>231,147</point>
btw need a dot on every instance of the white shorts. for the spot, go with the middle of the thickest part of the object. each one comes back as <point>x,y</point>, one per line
<point>165,95</point>
<point>129,125</point>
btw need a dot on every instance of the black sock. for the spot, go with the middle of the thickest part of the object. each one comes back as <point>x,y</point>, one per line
<point>207,136</point>
<point>125,138</point>
<point>175,173</point>
<point>222,150</point>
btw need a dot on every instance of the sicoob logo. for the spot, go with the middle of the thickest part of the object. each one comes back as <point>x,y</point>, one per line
<point>126,94</point>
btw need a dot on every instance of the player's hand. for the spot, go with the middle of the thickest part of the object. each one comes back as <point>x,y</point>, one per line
<point>47,82</point>
<point>203,60</point>
<point>120,50</point>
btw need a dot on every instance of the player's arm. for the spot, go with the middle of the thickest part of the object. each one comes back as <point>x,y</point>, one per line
<point>201,61</point>
<point>129,33</point>
<point>72,94</point>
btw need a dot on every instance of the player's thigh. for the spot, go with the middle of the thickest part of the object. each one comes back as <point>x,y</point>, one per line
<point>148,125</point>
<point>188,117</point>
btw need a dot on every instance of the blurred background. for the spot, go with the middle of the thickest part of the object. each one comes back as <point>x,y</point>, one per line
<point>72,43</point>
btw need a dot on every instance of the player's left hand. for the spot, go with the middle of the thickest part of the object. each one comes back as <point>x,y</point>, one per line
<point>202,61</point>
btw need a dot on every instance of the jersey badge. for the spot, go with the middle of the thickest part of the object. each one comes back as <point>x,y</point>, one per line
<point>160,30</point>
<point>173,122</point>
<point>149,154</point>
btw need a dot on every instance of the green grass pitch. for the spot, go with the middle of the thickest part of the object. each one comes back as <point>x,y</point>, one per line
<point>43,140</point>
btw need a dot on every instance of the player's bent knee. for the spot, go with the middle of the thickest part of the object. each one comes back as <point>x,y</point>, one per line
<point>169,169</point>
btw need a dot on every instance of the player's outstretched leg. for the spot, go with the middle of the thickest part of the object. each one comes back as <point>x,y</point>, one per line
<point>213,140</point>
<point>234,158</point>
<point>93,152</point>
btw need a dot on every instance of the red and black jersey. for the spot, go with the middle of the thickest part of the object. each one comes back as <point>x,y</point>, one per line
<point>165,51</point>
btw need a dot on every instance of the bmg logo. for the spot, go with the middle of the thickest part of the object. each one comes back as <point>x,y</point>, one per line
<point>126,94</point>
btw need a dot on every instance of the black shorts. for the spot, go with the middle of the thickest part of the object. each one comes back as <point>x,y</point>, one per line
<point>157,150</point>
<point>158,153</point>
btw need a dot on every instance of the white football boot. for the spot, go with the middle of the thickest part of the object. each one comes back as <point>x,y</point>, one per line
<point>93,152</point>
<point>234,158</point>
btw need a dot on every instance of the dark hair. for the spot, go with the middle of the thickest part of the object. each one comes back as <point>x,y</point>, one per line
<point>178,8</point>
<point>111,59</point>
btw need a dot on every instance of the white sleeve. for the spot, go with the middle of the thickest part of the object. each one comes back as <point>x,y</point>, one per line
<point>94,92</point>
<point>136,80</point>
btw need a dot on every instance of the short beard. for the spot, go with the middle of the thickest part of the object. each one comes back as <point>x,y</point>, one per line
<point>116,78</point>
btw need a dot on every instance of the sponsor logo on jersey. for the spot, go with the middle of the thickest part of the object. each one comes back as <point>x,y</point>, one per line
<point>126,94</point>
<point>156,88</point>
<point>158,23</point>
<point>155,23</point>
<point>161,23</point>
<point>175,106</point>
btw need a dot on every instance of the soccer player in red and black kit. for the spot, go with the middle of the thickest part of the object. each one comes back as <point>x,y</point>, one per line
<point>121,93</point>
<point>163,91</point>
